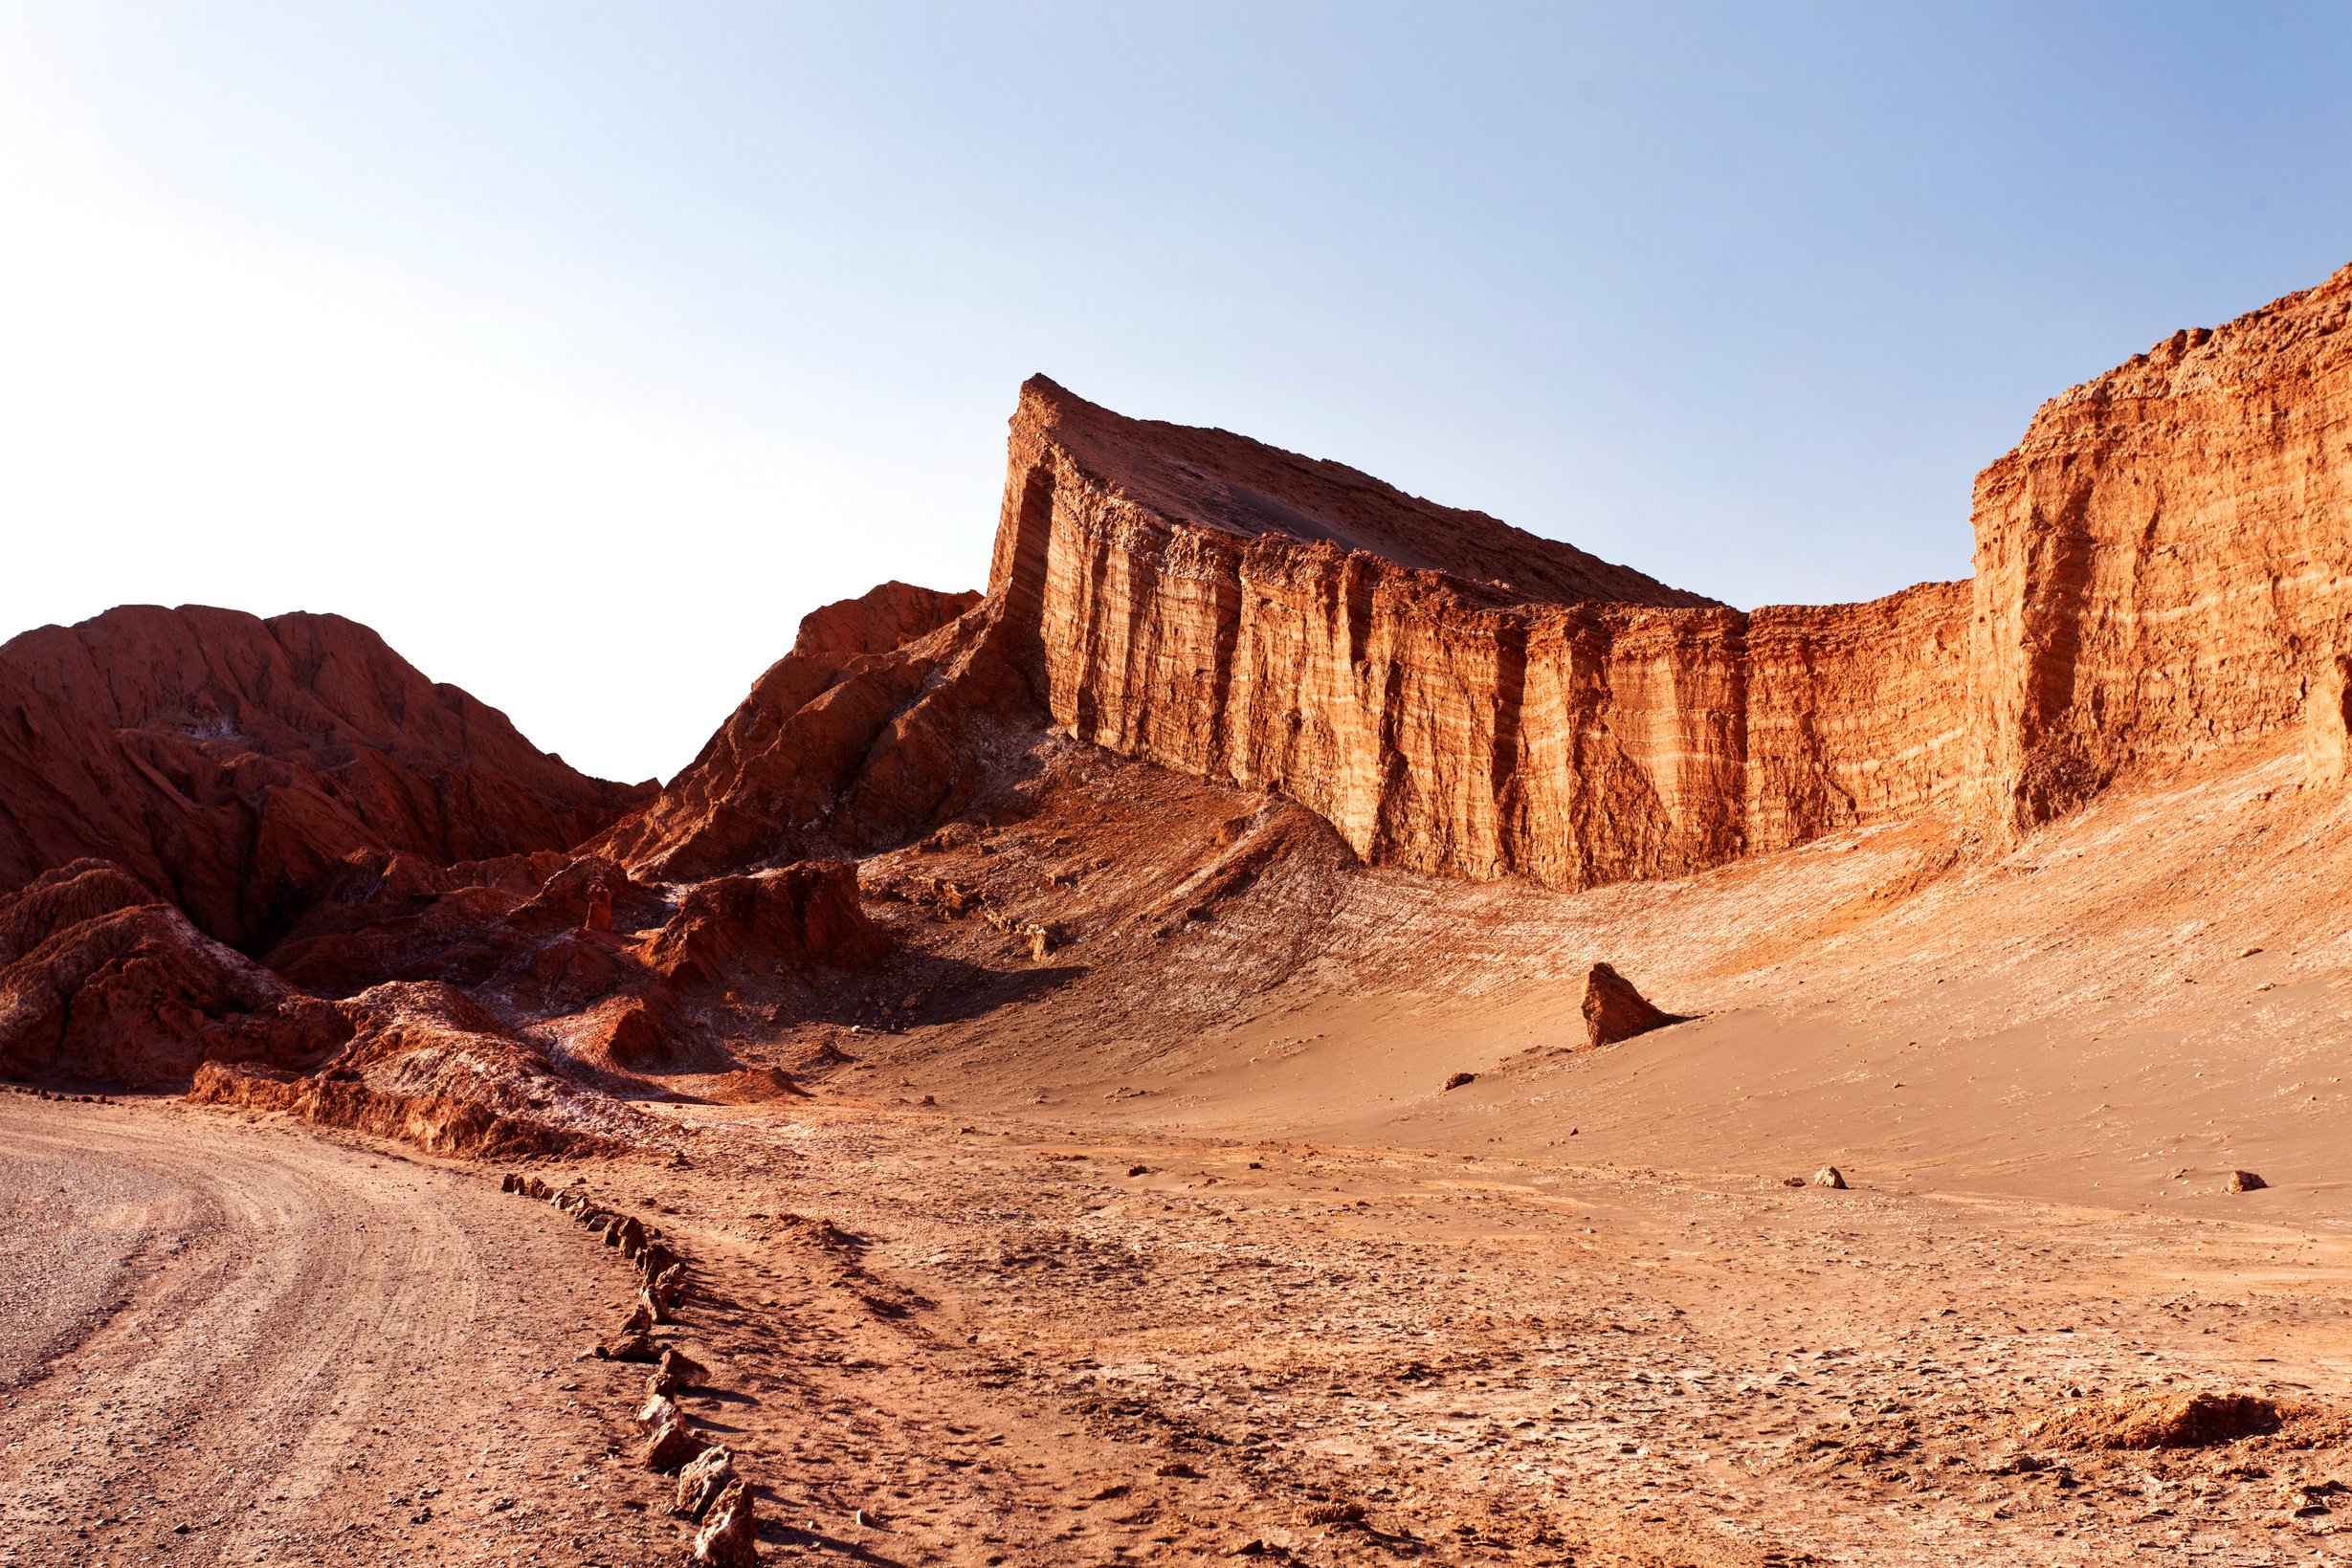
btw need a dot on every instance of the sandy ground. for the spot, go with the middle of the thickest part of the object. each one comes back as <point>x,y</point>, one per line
<point>995,1343</point>
<point>224,1344</point>
<point>1005,1345</point>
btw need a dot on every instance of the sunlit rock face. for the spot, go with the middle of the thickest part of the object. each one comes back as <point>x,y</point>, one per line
<point>1453,695</point>
<point>2161,564</point>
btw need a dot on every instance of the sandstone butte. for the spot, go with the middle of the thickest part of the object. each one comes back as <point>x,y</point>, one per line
<point>2158,577</point>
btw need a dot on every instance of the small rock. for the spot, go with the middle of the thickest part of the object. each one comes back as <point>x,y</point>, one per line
<point>730,1537</point>
<point>682,1369</point>
<point>1792,1180</point>
<point>669,1447</point>
<point>635,1345</point>
<point>1830,1176</point>
<point>2245,1182</point>
<point>659,1411</point>
<point>702,1481</point>
<point>668,1287</point>
<point>1456,1081</point>
<point>1321,1514</point>
<point>1139,1170</point>
<point>639,1317</point>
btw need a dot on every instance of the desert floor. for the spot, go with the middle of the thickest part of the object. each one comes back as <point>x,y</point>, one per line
<point>1172,1246</point>
<point>1001,1339</point>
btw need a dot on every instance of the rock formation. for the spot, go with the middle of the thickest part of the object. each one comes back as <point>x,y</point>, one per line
<point>844,744</point>
<point>229,762</point>
<point>1441,692</point>
<point>1455,696</point>
<point>101,980</point>
<point>429,1065</point>
<point>2158,561</point>
<point>1614,1010</point>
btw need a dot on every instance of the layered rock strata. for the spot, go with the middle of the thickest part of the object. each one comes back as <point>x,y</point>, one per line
<point>888,717</point>
<point>1490,703</point>
<point>2156,578</point>
<point>2161,564</point>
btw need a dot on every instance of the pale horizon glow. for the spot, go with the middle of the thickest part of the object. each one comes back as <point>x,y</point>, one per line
<point>580,349</point>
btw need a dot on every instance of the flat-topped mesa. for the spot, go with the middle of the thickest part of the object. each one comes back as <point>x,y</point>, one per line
<point>1456,695</point>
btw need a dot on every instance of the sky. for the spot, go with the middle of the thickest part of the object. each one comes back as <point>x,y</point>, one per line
<point>581,348</point>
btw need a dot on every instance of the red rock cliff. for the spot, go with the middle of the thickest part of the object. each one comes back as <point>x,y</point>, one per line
<point>2155,578</point>
<point>1453,695</point>
<point>2160,561</point>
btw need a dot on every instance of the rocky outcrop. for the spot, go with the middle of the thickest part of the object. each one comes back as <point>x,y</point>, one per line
<point>1614,1010</point>
<point>542,933</point>
<point>102,980</point>
<point>737,928</point>
<point>1453,695</point>
<point>427,1064</point>
<point>847,742</point>
<point>229,763</point>
<point>2158,562</point>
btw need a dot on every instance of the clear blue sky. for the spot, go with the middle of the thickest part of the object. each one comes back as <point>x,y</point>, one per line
<point>581,348</point>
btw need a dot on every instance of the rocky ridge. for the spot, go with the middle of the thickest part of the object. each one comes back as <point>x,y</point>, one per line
<point>2149,586</point>
<point>229,763</point>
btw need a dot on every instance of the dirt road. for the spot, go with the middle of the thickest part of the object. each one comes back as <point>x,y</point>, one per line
<point>224,1344</point>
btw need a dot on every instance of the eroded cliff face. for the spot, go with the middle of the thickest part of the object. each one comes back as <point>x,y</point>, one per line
<point>1493,704</point>
<point>2159,575</point>
<point>2160,561</point>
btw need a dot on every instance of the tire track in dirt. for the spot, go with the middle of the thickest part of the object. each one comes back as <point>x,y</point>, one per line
<point>246,1345</point>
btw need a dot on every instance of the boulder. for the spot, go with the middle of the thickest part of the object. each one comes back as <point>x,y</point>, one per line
<point>1830,1176</point>
<point>2245,1182</point>
<point>683,1369</point>
<point>668,1287</point>
<point>1614,1010</point>
<point>632,1345</point>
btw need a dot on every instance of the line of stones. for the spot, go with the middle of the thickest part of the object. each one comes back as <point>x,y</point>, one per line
<point>708,1489</point>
